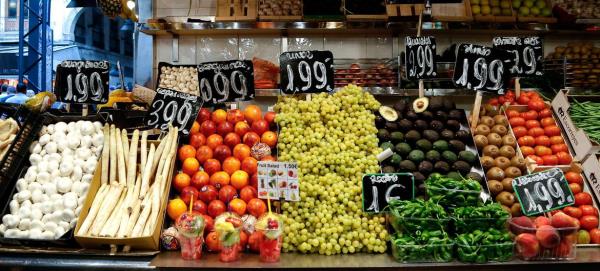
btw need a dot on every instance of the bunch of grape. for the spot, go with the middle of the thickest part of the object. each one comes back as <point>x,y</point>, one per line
<point>333,139</point>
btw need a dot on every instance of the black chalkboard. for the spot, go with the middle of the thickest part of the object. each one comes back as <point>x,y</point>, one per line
<point>482,68</point>
<point>543,191</point>
<point>226,81</point>
<point>420,57</point>
<point>82,81</point>
<point>379,189</point>
<point>528,55</point>
<point>170,106</point>
<point>306,72</point>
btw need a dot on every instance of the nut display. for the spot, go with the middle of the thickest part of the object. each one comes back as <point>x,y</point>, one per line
<point>280,8</point>
<point>585,9</point>
<point>184,79</point>
<point>582,67</point>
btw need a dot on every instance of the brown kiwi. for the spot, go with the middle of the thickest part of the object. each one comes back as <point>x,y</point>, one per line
<point>505,198</point>
<point>512,172</point>
<point>515,210</point>
<point>509,140</point>
<point>482,129</point>
<point>502,162</point>
<point>501,119</point>
<point>495,187</point>
<point>494,139</point>
<point>487,162</point>
<point>507,184</point>
<point>518,162</point>
<point>487,120</point>
<point>499,129</point>
<point>495,173</point>
<point>491,150</point>
<point>481,141</point>
<point>507,151</point>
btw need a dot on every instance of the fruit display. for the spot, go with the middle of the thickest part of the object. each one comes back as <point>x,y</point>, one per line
<point>373,73</point>
<point>8,131</point>
<point>50,194</point>
<point>333,139</point>
<point>582,67</point>
<point>471,218</point>
<point>485,245</point>
<point>280,8</point>
<point>541,238</point>
<point>582,9</point>
<point>453,192</point>
<point>432,140</point>
<point>180,78</point>
<point>532,8</point>
<point>493,7</point>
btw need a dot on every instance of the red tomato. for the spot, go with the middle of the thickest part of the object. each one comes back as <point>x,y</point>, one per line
<point>532,124</point>
<point>575,188</point>
<point>501,100</point>
<point>527,150</point>
<point>559,148</point>
<point>534,95</point>
<point>550,160</point>
<point>589,210</point>
<point>564,158</point>
<point>547,122</point>
<point>589,222</point>
<point>536,105</point>
<point>510,93</point>
<point>530,115</point>
<point>519,131</point>
<point>511,113</point>
<point>574,177</point>
<point>554,140</point>
<point>523,100</point>
<point>595,236</point>
<point>526,141</point>
<point>536,131</point>
<point>552,130</point>
<point>583,198</point>
<point>542,141</point>
<point>573,211</point>
<point>538,160</point>
<point>545,113</point>
<point>493,101</point>
<point>517,121</point>
<point>542,151</point>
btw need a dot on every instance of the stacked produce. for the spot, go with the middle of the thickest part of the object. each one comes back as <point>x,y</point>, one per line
<point>453,192</point>
<point>8,131</point>
<point>545,238</point>
<point>377,75</point>
<point>584,9</point>
<point>493,7</point>
<point>131,196</point>
<point>50,195</point>
<point>280,8</point>
<point>533,8</point>
<point>484,245</point>
<point>583,63</point>
<point>180,78</point>
<point>332,137</point>
<point>582,114</point>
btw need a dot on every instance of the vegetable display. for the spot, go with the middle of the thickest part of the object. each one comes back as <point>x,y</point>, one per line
<point>585,116</point>
<point>428,246</point>
<point>484,246</point>
<point>450,192</point>
<point>470,218</point>
<point>417,215</point>
<point>545,238</point>
<point>8,131</point>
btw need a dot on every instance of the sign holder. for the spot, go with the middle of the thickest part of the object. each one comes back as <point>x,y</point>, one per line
<point>421,83</point>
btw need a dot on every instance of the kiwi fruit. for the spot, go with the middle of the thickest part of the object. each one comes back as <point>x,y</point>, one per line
<point>518,162</point>
<point>507,184</point>
<point>515,210</point>
<point>495,187</point>
<point>502,162</point>
<point>495,173</point>
<point>494,139</point>
<point>501,120</point>
<point>507,151</point>
<point>487,162</point>
<point>506,208</point>
<point>491,150</point>
<point>482,129</point>
<point>506,198</point>
<point>487,120</point>
<point>512,172</point>
<point>499,129</point>
<point>481,141</point>
<point>509,140</point>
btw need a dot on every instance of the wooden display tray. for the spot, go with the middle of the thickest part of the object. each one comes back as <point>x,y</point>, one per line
<point>269,18</point>
<point>367,17</point>
<point>448,12</point>
<point>236,10</point>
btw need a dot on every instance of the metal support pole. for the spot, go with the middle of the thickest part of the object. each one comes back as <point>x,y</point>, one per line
<point>33,62</point>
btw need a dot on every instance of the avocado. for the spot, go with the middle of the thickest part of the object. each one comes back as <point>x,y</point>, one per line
<point>387,145</point>
<point>427,115</point>
<point>436,125</point>
<point>383,135</point>
<point>405,125</point>
<point>418,177</point>
<point>461,166</point>
<point>474,176</point>
<point>463,135</point>
<point>455,114</point>
<point>440,145</point>
<point>416,156</point>
<point>454,175</point>
<point>441,167</point>
<point>391,126</point>
<point>425,167</point>
<point>421,104</point>
<point>453,125</point>
<point>395,159</point>
<point>412,136</point>
<point>379,121</point>
<point>420,125</point>
<point>388,169</point>
<point>456,145</point>
<point>424,144</point>
<point>397,137</point>
<point>467,156</point>
<point>431,135</point>
<point>449,157</point>
<point>403,148</point>
<point>411,115</point>
<point>433,156</point>
<point>441,116</point>
<point>400,105</point>
<point>436,103</point>
<point>447,135</point>
<point>407,166</point>
<point>449,104</point>
<point>388,113</point>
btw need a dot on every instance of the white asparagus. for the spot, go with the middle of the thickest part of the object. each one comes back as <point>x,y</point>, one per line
<point>113,155</point>
<point>141,222</point>
<point>111,226</point>
<point>143,149</point>
<point>146,173</point>
<point>132,166</point>
<point>121,160</point>
<point>105,154</point>
<point>135,214</point>
<point>98,199</point>
<point>158,153</point>
<point>111,200</point>
<point>125,142</point>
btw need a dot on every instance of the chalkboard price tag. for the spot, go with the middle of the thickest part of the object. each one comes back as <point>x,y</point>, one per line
<point>177,108</point>
<point>420,57</point>
<point>379,189</point>
<point>528,55</point>
<point>226,81</point>
<point>543,191</point>
<point>306,72</point>
<point>482,68</point>
<point>82,81</point>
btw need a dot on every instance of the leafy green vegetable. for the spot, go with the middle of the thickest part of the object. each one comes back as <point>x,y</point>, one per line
<point>427,246</point>
<point>490,216</point>
<point>417,215</point>
<point>484,246</point>
<point>450,192</point>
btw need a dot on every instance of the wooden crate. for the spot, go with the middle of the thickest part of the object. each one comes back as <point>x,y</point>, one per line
<point>533,19</point>
<point>449,12</point>
<point>278,18</point>
<point>496,19</point>
<point>404,10</point>
<point>236,10</point>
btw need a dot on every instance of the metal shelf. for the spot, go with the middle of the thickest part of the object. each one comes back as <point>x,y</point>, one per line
<point>388,92</point>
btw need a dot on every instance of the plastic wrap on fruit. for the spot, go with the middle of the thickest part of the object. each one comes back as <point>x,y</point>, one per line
<point>168,239</point>
<point>260,150</point>
<point>271,224</point>
<point>249,221</point>
<point>190,225</point>
<point>227,226</point>
<point>40,102</point>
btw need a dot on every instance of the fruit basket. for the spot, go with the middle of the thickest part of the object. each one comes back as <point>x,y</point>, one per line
<point>375,75</point>
<point>493,11</point>
<point>429,253</point>
<point>545,238</point>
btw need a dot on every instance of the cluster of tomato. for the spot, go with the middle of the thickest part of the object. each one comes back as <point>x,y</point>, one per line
<point>524,98</point>
<point>537,134</point>
<point>219,166</point>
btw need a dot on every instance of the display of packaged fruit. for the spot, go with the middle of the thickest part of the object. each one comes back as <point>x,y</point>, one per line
<point>543,238</point>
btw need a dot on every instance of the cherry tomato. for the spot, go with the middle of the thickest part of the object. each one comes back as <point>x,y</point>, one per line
<point>537,131</point>
<point>493,101</point>
<point>564,158</point>
<point>538,160</point>
<point>529,115</point>
<point>517,121</point>
<point>559,148</point>
<point>547,122</point>
<point>532,123</point>
<point>574,177</point>
<point>542,150</point>
<point>501,100</point>
<point>510,93</point>
<point>536,105</point>
<point>588,222</point>
<point>523,100</point>
<point>555,140</point>
<point>595,236</point>
<point>575,188</point>
<point>542,140</point>
<point>583,198</point>
<point>550,160</point>
<point>573,211</point>
<point>510,100</point>
<point>511,113</point>
<point>545,113</point>
<point>589,210</point>
<point>527,150</point>
<point>526,141</point>
<point>520,131</point>
<point>534,95</point>
<point>552,130</point>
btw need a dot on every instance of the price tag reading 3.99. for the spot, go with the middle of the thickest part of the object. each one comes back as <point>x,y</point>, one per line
<point>543,191</point>
<point>226,81</point>
<point>306,72</point>
<point>79,81</point>
<point>170,106</point>
<point>420,57</point>
<point>528,54</point>
<point>481,68</point>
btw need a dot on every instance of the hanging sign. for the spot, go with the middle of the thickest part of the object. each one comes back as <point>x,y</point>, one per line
<point>528,55</point>
<point>306,72</point>
<point>543,191</point>
<point>379,189</point>
<point>420,56</point>
<point>170,106</point>
<point>226,81</point>
<point>82,81</point>
<point>482,68</point>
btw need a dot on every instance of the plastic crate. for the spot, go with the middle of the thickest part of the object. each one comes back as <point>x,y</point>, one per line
<point>411,225</point>
<point>564,251</point>
<point>501,252</point>
<point>465,225</point>
<point>436,253</point>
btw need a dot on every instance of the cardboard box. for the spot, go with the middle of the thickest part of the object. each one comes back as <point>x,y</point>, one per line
<point>591,174</point>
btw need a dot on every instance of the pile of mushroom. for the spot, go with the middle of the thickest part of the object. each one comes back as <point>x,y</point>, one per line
<point>50,195</point>
<point>8,131</point>
<point>183,79</point>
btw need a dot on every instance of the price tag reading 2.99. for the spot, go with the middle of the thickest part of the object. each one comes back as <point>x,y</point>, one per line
<point>420,57</point>
<point>306,72</point>
<point>528,54</point>
<point>543,191</point>
<point>481,68</point>
<point>170,106</point>
<point>226,81</point>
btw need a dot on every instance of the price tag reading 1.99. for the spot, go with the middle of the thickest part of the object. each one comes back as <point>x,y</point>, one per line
<point>420,57</point>
<point>170,106</point>
<point>80,81</point>
<point>543,191</point>
<point>306,72</point>
<point>481,68</point>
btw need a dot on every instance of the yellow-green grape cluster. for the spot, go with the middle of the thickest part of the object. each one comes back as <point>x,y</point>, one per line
<point>333,139</point>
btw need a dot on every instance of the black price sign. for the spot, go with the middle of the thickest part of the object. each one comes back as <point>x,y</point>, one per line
<point>82,81</point>
<point>170,106</point>
<point>306,72</point>
<point>226,81</point>
<point>543,191</point>
<point>481,68</point>
<point>528,54</point>
<point>379,189</point>
<point>420,58</point>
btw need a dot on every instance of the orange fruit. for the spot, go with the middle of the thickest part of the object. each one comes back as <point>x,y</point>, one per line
<point>175,208</point>
<point>269,138</point>
<point>231,164</point>
<point>256,207</point>
<point>197,140</point>
<point>239,179</point>
<point>200,179</point>
<point>241,128</point>
<point>249,164</point>
<point>214,140</point>
<point>219,179</point>
<point>186,151</point>
<point>195,128</point>
<point>252,113</point>
<point>268,158</point>
<point>241,151</point>
<point>181,181</point>
<point>212,242</point>
<point>204,153</point>
<point>237,206</point>
<point>190,166</point>
<point>219,116</point>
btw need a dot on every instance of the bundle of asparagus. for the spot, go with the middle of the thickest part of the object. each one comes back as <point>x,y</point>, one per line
<point>128,201</point>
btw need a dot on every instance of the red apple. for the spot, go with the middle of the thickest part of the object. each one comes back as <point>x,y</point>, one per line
<point>527,245</point>
<point>235,115</point>
<point>232,139</point>
<point>541,221</point>
<point>221,152</point>
<point>216,207</point>
<point>251,138</point>
<point>208,128</point>
<point>260,126</point>
<point>241,128</point>
<point>199,206</point>
<point>203,115</point>
<point>208,193</point>
<point>224,128</point>
<point>188,192</point>
<point>270,117</point>
<point>548,236</point>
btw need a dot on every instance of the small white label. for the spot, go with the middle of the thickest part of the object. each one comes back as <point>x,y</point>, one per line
<point>278,181</point>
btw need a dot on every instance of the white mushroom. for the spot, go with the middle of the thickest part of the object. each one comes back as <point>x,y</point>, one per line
<point>66,168</point>
<point>58,232</point>
<point>50,226</point>
<point>46,207</point>
<point>23,234</point>
<point>57,216</point>
<point>98,139</point>
<point>86,141</point>
<point>50,129</point>
<point>35,158</point>
<point>34,186</point>
<point>58,137</point>
<point>26,203</point>
<point>57,205</point>
<point>82,189</point>
<point>42,166</point>
<point>11,233</point>
<point>80,201</point>
<point>77,174</point>
<point>47,218</point>
<point>35,234</point>
<point>83,153</point>
<point>14,206</point>
<point>42,178</point>
<point>35,148</point>
<point>24,212</point>
<point>70,201</point>
<point>2,229</point>
<point>51,147</point>
<point>87,178</point>
<point>47,235</point>
<point>78,210</point>
<point>24,224</point>
<point>56,197</point>
<point>22,184</point>
<point>23,195</point>
<point>67,215</point>
<point>98,126</point>
<point>54,157</point>
<point>36,224</point>
<point>11,221</point>
<point>54,175</point>
<point>36,195</point>
<point>44,139</point>
<point>64,185</point>
<point>66,152</point>
<point>73,141</point>
<point>72,127</point>
<point>90,165</point>
<point>36,214</point>
<point>87,128</point>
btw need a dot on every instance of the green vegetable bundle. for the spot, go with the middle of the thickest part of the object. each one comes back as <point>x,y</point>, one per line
<point>417,215</point>
<point>585,116</point>
<point>450,192</point>
<point>484,246</point>
<point>427,246</point>
<point>490,216</point>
